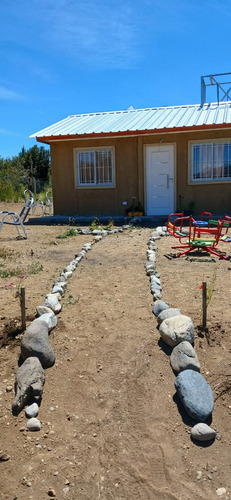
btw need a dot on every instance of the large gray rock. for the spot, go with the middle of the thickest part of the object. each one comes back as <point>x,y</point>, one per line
<point>167,313</point>
<point>195,394</point>
<point>35,342</point>
<point>184,357</point>
<point>49,318</point>
<point>159,306</point>
<point>176,329</point>
<point>30,379</point>
<point>202,432</point>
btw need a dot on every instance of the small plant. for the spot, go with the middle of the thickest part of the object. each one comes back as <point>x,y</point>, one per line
<point>71,221</point>
<point>35,268</point>
<point>136,208</point>
<point>211,287</point>
<point>95,223</point>
<point>18,287</point>
<point>18,291</point>
<point>110,225</point>
<point>6,273</point>
<point>71,300</point>
<point>69,232</point>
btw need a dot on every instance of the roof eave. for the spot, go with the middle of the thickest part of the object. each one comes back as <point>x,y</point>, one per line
<point>93,135</point>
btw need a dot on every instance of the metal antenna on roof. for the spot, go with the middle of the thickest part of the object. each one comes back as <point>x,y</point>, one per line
<point>223,88</point>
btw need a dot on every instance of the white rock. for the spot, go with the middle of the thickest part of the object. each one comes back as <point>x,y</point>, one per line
<point>66,490</point>
<point>67,274</point>
<point>33,424</point>
<point>52,301</point>
<point>32,410</point>
<point>74,263</point>
<point>58,289</point>
<point>68,268</point>
<point>176,329</point>
<point>78,258</point>
<point>52,295</point>
<point>202,432</point>
<point>220,492</point>
<point>43,310</point>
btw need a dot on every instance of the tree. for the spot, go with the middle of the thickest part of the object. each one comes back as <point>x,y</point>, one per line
<point>36,161</point>
<point>23,171</point>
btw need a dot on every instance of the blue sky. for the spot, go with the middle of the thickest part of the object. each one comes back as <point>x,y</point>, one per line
<point>61,57</point>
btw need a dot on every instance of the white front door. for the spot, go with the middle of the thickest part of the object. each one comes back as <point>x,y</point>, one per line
<point>160,179</point>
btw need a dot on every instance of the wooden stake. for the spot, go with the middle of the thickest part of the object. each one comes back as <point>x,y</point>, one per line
<point>23,307</point>
<point>204,303</point>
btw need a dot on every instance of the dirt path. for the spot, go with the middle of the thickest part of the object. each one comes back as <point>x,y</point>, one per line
<point>111,426</point>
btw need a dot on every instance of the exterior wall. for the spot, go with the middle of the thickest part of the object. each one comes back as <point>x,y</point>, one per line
<point>69,200</point>
<point>130,176</point>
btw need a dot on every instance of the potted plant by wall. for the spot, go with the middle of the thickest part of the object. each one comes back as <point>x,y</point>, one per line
<point>136,208</point>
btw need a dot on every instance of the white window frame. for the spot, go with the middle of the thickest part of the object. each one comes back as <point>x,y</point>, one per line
<point>94,184</point>
<point>211,161</point>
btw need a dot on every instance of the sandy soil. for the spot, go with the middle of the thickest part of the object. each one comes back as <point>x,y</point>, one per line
<point>112,425</point>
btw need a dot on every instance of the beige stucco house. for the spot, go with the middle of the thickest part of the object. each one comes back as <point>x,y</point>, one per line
<point>157,156</point>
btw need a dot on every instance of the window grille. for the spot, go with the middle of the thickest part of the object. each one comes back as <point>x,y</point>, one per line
<point>95,167</point>
<point>210,161</point>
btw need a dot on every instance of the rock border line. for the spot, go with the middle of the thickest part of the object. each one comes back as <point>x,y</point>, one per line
<point>36,351</point>
<point>177,331</point>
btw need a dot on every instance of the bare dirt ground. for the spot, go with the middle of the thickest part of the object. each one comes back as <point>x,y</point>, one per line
<point>112,425</point>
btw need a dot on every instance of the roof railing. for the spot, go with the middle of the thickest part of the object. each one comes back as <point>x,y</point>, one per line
<point>223,88</point>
